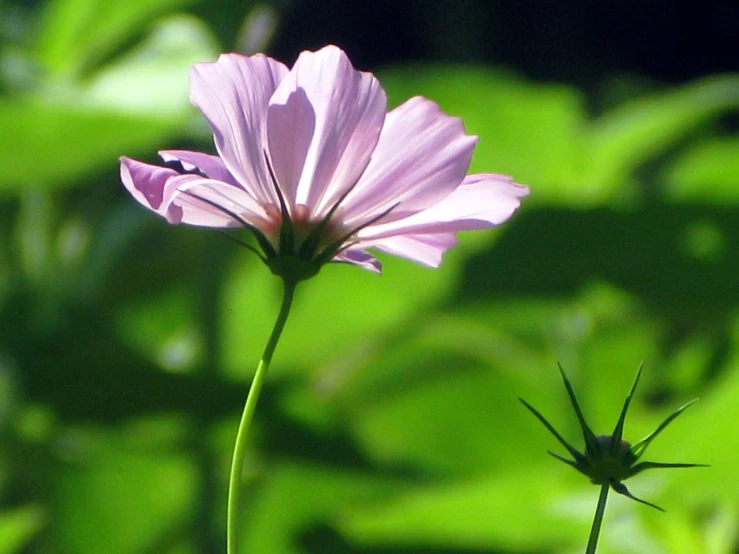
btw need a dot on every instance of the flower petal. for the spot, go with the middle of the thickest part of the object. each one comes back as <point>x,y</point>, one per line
<point>359,257</point>
<point>481,201</point>
<point>324,123</point>
<point>190,198</point>
<point>196,200</point>
<point>233,94</point>
<point>422,156</point>
<point>208,165</point>
<point>426,250</point>
<point>146,182</point>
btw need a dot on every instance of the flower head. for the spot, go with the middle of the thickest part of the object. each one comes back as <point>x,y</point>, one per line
<point>608,459</point>
<point>311,162</point>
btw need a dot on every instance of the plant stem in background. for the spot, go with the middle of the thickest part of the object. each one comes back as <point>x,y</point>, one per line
<point>598,519</point>
<point>237,462</point>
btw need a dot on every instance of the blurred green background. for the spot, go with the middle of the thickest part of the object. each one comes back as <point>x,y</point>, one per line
<point>390,421</point>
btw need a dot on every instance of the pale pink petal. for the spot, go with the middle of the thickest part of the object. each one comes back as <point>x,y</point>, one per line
<point>421,157</point>
<point>208,165</point>
<point>481,201</point>
<point>146,182</point>
<point>196,200</point>
<point>292,123</point>
<point>189,198</point>
<point>359,257</point>
<point>426,250</point>
<point>323,125</point>
<point>233,94</point>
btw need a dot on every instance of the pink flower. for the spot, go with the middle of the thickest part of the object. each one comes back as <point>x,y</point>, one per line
<point>311,162</point>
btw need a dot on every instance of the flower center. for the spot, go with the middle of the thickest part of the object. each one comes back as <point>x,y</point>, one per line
<point>302,243</point>
<point>303,235</point>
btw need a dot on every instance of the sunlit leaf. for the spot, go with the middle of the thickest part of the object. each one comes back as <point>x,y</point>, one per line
<point>439,406</point>
<point>51,145</point>
<point>67,129</point>
<point>152,78</point>
<point>528,510</point>
<point>296,499</point>
<point>708,172</point>
<point>629,135</point>
<point>77,34</point>
<point>114,496</point>
<point>18,526</point>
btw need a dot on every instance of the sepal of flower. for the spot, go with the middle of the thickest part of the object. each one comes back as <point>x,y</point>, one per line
<point>608,459</point>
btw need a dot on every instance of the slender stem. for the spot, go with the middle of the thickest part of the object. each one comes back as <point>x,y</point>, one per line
<point>237,462</point>
<point>599,511</point>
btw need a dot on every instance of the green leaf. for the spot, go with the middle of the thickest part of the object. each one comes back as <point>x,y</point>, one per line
<point>117,494</point>
<point>707,434</point>
<point>52,145</point>
<point>151,78</point>
<point>441,413</point>
<point>18,526</point>
<point>628,136</point>
<point>136,105</point>
<point>706,172</point>
<point>291,499</point>
<point>77,34</point>
<point>526,510</point>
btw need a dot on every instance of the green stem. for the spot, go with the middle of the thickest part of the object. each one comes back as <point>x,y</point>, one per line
<point>237,461</point>
<point>599,511</point>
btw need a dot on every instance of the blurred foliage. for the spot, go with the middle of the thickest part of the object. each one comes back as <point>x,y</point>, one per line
<point>390,421</point>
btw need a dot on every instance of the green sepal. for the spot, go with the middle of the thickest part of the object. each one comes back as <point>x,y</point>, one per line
<point>639,448</point>
<point>608,459</point>
<point>293,268</point>
<point>591,442</point>
<point>618,432</point>
<point>571,449</point>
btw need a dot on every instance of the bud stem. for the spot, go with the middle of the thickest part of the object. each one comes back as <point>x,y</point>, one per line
<point>599,511</point>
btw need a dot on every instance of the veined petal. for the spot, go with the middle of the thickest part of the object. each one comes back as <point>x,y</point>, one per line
<point>204,202</point>
<point>421,157</point>
<point>426,250</point>
<point>324,123</point>
<point>481,201</point>
<point>146,182</point>
<point>233,94</point>
<point>190,198</point>
<point>208,165</point>
<point>359,257</point>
